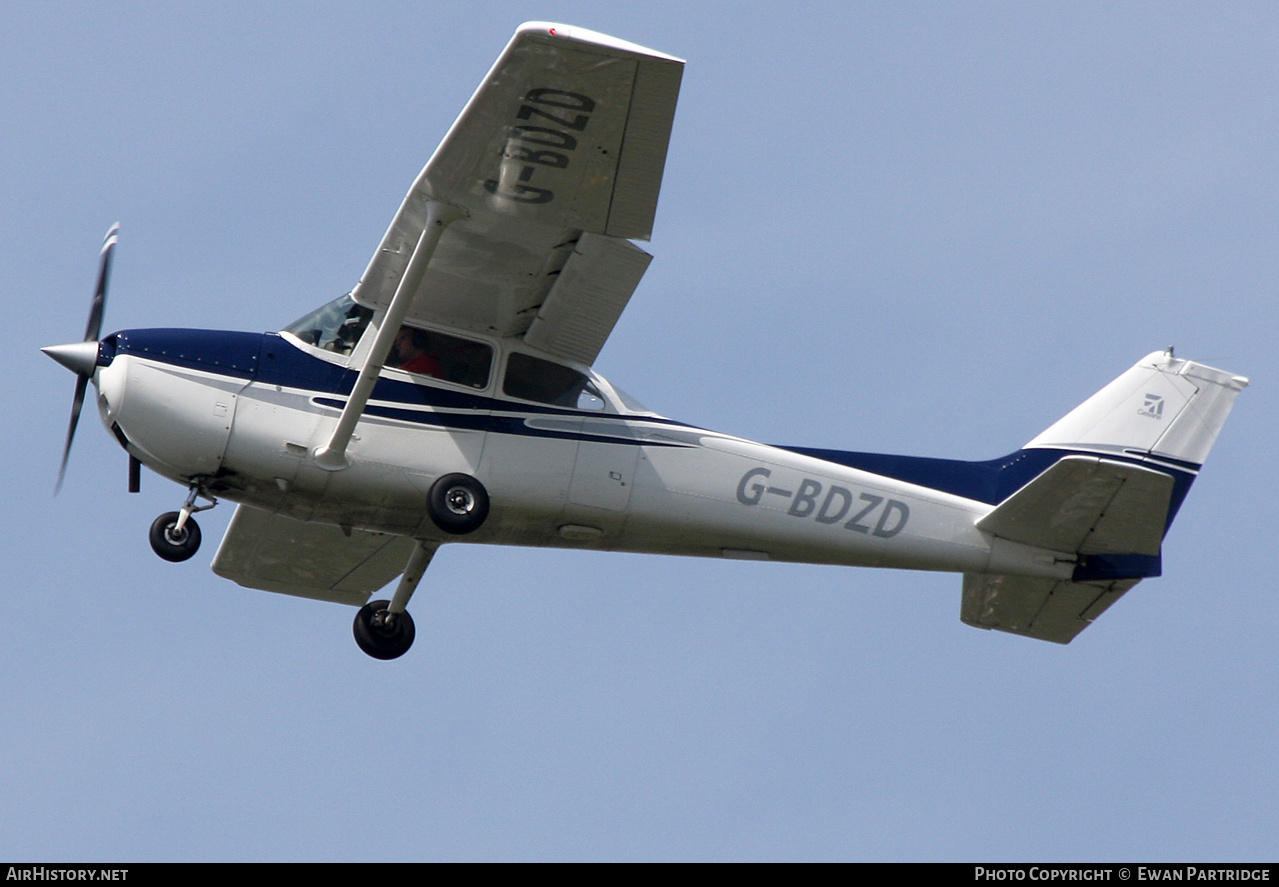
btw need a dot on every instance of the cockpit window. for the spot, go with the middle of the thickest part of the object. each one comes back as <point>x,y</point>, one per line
<point>531,378</point>
<point>441,356</point>
<point>336,327</point>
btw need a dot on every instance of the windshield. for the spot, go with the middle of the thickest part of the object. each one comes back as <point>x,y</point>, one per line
<point>335,327</point>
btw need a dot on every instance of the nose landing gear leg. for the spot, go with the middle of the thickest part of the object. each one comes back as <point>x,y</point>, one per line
<point>175,536</point>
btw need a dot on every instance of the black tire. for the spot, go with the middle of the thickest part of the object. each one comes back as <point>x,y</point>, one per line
<point>172,547</point>
<point>383,639</point>
<point>458,504</point>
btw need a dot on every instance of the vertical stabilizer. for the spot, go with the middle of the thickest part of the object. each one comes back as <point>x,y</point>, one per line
<point>1163,407</point>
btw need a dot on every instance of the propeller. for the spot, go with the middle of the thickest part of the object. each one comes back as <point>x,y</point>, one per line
<point>82,357</point>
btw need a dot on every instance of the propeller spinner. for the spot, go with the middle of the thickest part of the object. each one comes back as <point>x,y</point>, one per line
<point>82,357</point>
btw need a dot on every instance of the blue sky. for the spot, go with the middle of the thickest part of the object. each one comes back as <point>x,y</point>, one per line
<point>925,228</point>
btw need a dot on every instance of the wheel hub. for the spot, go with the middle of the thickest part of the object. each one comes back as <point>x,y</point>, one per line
<point>460,500</point>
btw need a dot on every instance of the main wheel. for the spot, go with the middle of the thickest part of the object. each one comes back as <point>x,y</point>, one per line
<point>458,504</point>
<point>381,634</point>
<point>173,546</point>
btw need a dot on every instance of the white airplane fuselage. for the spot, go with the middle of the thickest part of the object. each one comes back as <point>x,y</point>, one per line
<point>243,414</point>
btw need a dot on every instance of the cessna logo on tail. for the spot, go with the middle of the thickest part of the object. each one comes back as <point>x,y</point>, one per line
<point>867,513</point>
<point>1154,407</point>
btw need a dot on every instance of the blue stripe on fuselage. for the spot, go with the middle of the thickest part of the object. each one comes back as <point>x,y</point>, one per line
<point>994,480</point>
<point>518,425</point>
<point>218,351</point>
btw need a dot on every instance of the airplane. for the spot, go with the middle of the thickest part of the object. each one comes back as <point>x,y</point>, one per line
<point>449,397</point>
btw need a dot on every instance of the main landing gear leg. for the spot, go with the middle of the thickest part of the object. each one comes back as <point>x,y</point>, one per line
<point>175,536</point>
<point>385,630</point>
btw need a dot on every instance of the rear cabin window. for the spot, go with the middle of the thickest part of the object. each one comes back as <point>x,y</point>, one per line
<point>531,378</point>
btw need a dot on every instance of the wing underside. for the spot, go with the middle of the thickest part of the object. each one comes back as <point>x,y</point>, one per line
<point>566,137</point>
<point>277,553</point>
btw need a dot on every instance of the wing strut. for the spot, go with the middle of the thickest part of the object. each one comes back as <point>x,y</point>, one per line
<point>332,456</point>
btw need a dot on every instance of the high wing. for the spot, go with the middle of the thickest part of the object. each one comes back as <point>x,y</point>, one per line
<point>555,163</point>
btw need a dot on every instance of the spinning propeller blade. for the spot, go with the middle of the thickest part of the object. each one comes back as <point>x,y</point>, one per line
<point>93,329</point>
<point>80,384</point>
<point>81,357</point>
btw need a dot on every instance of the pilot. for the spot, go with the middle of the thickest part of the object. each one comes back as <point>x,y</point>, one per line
<point>411,352</point>
<point>357,318</point>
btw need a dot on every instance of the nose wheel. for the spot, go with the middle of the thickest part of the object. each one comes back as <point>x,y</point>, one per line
<point>172,543</point>
<point>175,536</point>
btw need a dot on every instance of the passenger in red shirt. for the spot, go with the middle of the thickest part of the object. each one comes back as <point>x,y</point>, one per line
<point>411,353</point>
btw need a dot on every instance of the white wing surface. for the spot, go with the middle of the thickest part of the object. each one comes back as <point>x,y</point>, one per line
<point>276,553</point>
<point>566,137</point>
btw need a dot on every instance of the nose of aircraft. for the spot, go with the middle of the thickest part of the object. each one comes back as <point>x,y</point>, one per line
<point>79,357</point>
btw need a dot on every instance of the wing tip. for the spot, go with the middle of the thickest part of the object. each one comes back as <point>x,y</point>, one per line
<point>585,35</point>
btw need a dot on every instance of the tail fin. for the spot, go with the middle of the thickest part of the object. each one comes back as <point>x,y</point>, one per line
<point>1162,410</point>
<point>1124,462</point>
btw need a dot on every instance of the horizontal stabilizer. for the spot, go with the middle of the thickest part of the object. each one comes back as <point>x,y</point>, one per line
<point>277,553</point>
<point>1131,452</point>
<point>1047,609</point>
<point>1089,505</point>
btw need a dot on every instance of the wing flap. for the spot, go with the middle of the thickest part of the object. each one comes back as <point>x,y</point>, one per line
<point>1089,505</point>
<point>587,298</point>
<point>276,553</point>
<point>1046,609</point>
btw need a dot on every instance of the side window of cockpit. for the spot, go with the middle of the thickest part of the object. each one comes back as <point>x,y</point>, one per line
<point>531,378</point>
<point>441,356</point>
